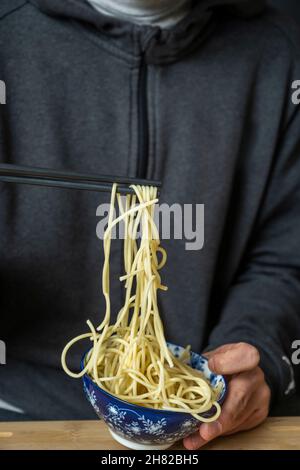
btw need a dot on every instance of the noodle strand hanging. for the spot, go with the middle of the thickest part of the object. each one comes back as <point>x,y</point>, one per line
<point>130,359</point>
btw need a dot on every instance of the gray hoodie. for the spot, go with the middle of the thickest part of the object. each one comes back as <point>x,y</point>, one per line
<point>206,108</point>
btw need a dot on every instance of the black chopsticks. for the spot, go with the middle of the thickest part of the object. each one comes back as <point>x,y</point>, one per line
<point>10,173</point>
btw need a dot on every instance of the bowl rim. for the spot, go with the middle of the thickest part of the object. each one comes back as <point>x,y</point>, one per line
<point>153,410</point>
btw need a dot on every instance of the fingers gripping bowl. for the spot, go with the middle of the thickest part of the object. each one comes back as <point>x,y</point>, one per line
<point>141,428</point>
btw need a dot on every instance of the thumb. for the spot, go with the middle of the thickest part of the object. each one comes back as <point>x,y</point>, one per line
<point>224,348</point>
<point>233,358</point>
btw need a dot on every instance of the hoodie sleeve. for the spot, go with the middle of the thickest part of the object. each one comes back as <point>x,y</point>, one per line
<point>262,307</point>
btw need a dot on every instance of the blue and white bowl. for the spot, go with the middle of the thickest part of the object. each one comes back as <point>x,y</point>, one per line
<point>141,428</point>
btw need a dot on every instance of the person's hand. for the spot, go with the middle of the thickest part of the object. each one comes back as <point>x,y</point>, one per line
<point>248,398</point>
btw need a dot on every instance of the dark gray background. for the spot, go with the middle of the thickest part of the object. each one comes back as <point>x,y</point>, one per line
<point>290,6</point>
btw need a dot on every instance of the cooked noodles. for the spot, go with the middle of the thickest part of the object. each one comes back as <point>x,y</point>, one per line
<point>130,358</point>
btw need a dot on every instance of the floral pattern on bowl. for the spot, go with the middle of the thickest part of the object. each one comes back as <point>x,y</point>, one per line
<point>139,427</point>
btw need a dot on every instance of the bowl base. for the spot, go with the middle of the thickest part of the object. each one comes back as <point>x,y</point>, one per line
<point>136,445</point>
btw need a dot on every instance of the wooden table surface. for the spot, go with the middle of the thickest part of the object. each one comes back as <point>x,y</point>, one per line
<point>275,433</point>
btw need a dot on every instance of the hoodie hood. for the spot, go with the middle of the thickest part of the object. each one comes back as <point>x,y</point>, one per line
<point>157,45</point>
